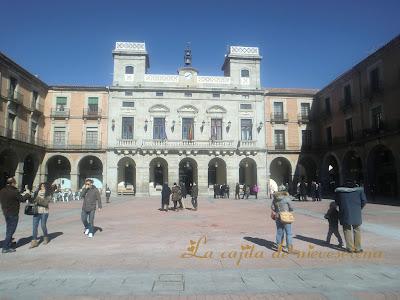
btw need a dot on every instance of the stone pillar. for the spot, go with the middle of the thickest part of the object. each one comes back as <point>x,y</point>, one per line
<point>202,178</point>
<point>142,176</point>
<point>173,173</point>
<point>19,173</point>
<point>232,175</point>
<point>74,182</point>
<point>112,179</point>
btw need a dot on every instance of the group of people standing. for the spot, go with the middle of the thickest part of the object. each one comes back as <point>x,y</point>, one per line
<point>246,191</point>
<point>349,199</point>
<point>176,194</point>
<point>221,191</point>
<point>303,189</point>
<point>11,199</point>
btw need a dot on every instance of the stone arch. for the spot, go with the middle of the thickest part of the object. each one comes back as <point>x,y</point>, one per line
<point>159,108</point>
<point>158,171</point>
<point>188,109</point>
<point>248,171</point>
<point>382,173</point>
<point>306,169</point>
<point>352,167</point>
<point>280,171</point>
<point>188,172</point>
<point>330,173</point>
<point>8,165</point>
<point>90,166</point>
<point>31,166</point>
<point>126,168</point>
<point>58,171</point>
<point>217,171</point>
<point>216,109</point>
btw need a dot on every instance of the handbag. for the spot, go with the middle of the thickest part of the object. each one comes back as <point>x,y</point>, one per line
<point>31,209</point>
<point>273,215</point>
<point>286,217</point>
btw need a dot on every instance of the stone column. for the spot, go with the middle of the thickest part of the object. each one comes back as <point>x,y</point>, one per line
<point>202,178</point>
<point>173,170</point>
<point>74,182</point>
<point>19,173</point>
<point>232,174</point>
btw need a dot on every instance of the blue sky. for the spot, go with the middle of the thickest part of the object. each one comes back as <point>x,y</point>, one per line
<point>303,43</point>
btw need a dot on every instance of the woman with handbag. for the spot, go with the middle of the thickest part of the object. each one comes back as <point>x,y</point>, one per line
<point>42,198</point>
<point>283,216</point>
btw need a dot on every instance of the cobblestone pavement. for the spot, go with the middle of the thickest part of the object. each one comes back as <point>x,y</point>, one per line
<point>221,251</point>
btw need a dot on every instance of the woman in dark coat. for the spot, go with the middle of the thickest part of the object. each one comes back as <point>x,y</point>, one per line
<point>165,194</point>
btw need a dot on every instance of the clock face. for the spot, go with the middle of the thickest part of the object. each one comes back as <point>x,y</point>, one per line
<point>188,75</point>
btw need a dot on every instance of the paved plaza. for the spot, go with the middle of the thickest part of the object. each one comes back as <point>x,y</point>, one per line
<point>221,251</point>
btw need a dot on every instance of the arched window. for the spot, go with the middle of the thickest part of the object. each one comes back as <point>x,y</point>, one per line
<point>244,73</point>
<point>128,70</point>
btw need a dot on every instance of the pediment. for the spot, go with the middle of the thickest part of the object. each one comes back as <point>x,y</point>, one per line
<point>188,109</point>
<point>159,108</point>
<point>216,109</point>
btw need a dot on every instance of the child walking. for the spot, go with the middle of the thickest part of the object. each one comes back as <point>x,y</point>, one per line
<point>333,218</point>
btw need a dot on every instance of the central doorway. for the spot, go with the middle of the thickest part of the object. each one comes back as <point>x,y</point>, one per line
<point>188,172</point>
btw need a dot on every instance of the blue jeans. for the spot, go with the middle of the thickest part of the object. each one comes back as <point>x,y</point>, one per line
<point>42,218</point>
<point>84,217</point>
<point>11,226</point>
<point>282,229</point>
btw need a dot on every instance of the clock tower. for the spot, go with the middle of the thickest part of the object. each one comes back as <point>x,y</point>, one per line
<point>188,74</point>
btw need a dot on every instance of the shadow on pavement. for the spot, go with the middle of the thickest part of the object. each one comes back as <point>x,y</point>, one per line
<point>95,229</point>
<point>318,242</point>
<point>261,242</point>
<point>26,240</point>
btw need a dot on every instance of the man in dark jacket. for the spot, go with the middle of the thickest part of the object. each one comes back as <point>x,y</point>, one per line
<point>10,202</point>
<point>195,193</point>
<point>351,200</point>
<point>91,196</point>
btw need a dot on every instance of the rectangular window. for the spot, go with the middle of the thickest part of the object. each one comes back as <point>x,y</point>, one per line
<point>216,95</point>
<point>349,129</point>
<point>35,97</point>
<point>279,139</point>
<point>128,93</point>
<point>278,110</point>
<point>216,129</point>
<point>10,125</point>
<point>188,94</point>
<point>328,106</point>
<point>127,128</point>
<point>245,106</point>
<point>246,129</point>
<point>187,129</point>
<point>377,117</point>
<point>306,138</point>
<point>329,136</point>
<point>93,105</point>
<point>59,136</point>
<point>347,94</point>
<point>305,110</point>
<point>159,94</point>
<point>92,136</point>
<point>375,84</point>
<point>128,104</point>
<point>159,129</point>
<point>61,103</point>
<point>33,132</point>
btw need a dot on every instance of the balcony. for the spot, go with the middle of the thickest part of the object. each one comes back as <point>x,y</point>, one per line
<point>345,105</point>
<point>91,113</point>
<point>20,136</point>
<point>279,117</point>
<point>37,107</point>
<point>290,148</point>
<point>15,96</point>
<point>188,144</point>
<point>304,118</point>
<point>126,143</point>
<point>59,113</point>
<point>75,145</point>
<point>243,144</point>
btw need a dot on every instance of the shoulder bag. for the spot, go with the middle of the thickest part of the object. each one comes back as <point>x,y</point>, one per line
<point>31,209</point>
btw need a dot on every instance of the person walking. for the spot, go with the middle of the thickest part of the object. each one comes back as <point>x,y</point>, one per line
<point>247,191</point>
<point>303,190</point>
<point>108,194</point>
<point>165,194</point>
<point>281,203</point>
<point>244,190</point>
<point>332,215</point>
<point>256,189</point>
<point>237,191</point>
<point>351,200</point>
<point>176,196</point>
<point>319,191</point>
<point>10,199</point>
<point>91,197</point>
<point>41,198</point>
<point>195,193</point>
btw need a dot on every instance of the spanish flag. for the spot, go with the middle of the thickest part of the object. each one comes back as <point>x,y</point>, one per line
<point>190,133</point>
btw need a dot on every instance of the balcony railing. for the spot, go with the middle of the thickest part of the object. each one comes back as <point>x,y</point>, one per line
<point>75,145</point>
<point>59,113</point>
<point>290,148</point>
<point>279,117</point>
<point>304,118</point>
<point>15,96</point>
<point>345,105</point>
<point>126,143</point>
<point>374,91</point>
<point>20,136</point>
<point>247,144</point>
<point>36,106</point>
<point>91,113</point>
<point>196,144</point>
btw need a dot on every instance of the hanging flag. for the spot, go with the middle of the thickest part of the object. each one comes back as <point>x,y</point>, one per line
<point>190,133</point>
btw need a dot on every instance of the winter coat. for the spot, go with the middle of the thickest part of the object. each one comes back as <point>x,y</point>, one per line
<point>350,202</point>
<point>90,197</point>
<point>176,193</point>
<point>165,194</point>
<point>332,215</point>
<point>195,191</point>
<point>281,203</point>
<point>10,200</point>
